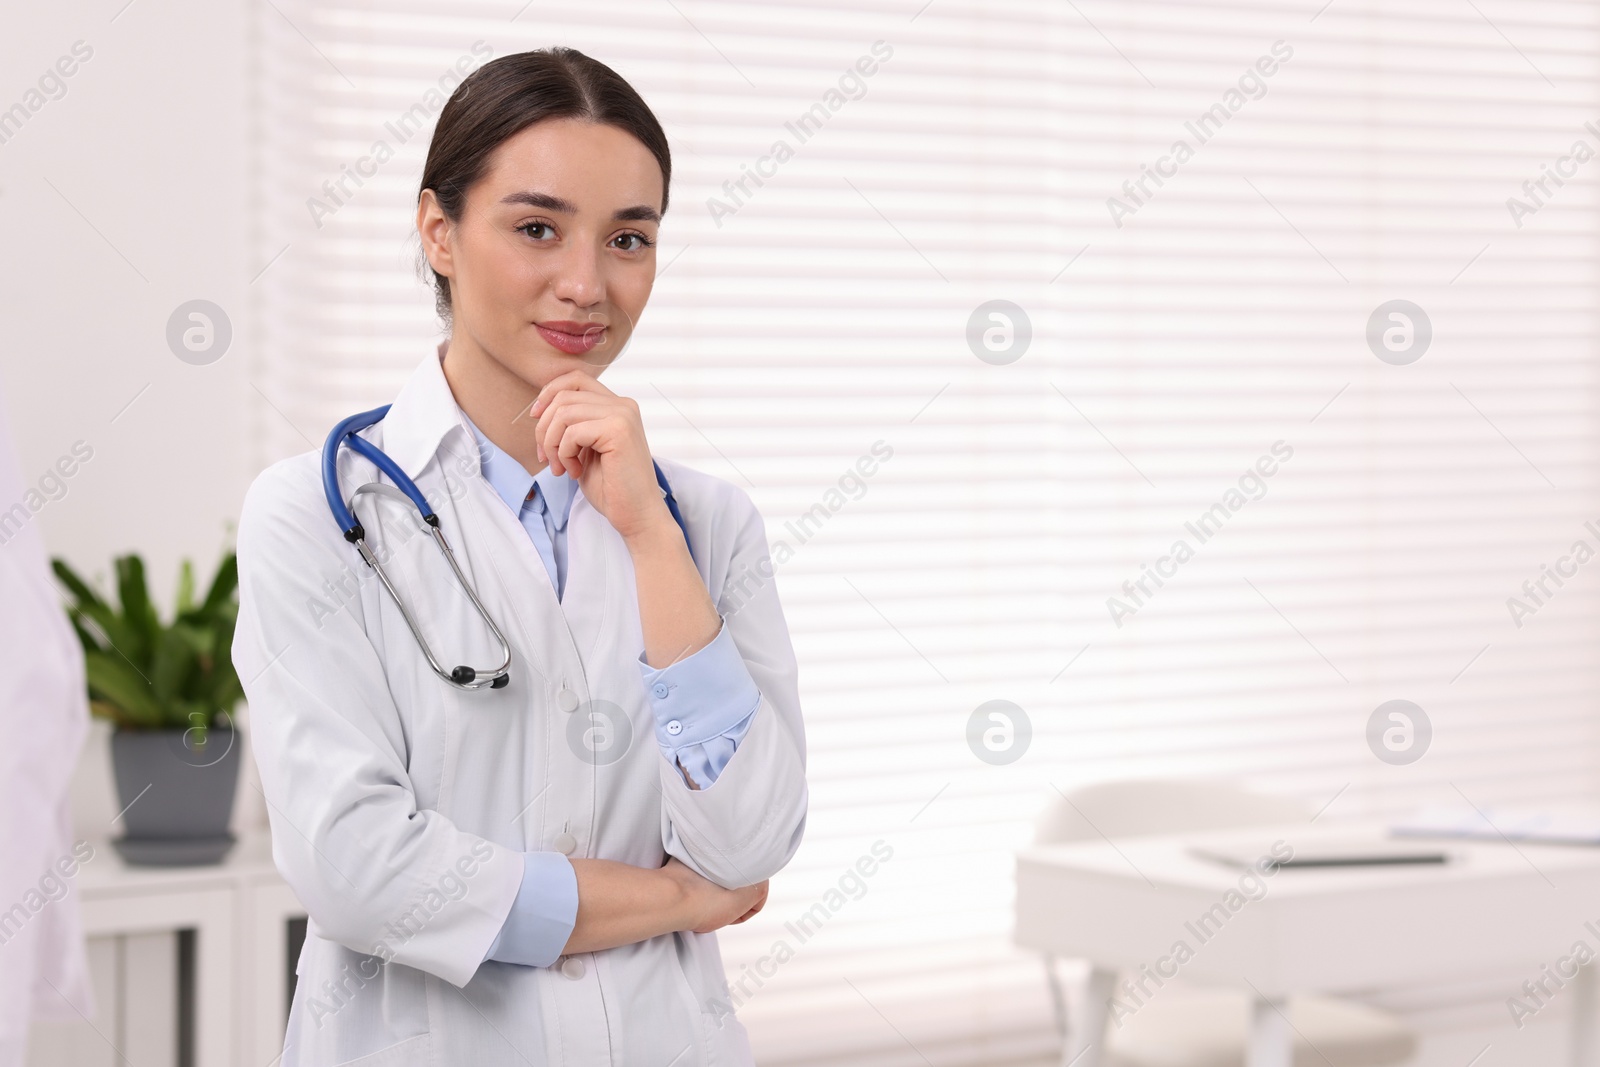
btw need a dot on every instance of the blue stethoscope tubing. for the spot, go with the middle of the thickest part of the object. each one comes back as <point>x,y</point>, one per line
<point>347,433</point>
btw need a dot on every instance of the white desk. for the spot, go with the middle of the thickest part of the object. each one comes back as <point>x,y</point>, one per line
<point>238,910</point>
<point>1493,909</point>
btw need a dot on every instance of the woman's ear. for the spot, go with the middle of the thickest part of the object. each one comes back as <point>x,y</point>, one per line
<point>434,229</point>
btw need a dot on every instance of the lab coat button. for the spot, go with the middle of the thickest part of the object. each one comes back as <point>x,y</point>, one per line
<point>565,843</point>
<point>674,727</point>
<point>572,967</point>
<point>659,691</point>
<point>567,700</point>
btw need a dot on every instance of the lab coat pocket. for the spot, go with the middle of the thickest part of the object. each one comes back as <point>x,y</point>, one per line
<point>700,996</point>
<point>699,958</point>
<point>350,1009</point>
<point>412,1052</point>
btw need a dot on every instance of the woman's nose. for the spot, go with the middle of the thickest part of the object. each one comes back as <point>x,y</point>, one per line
<point>578,276</point>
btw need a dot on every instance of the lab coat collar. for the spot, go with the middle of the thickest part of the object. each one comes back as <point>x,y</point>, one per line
<point>422,414</point>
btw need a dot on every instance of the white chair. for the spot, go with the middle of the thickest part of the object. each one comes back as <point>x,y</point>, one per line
<point>1207,1027</point>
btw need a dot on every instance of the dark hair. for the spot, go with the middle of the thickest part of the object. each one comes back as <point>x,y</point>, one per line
<point>505,96</point>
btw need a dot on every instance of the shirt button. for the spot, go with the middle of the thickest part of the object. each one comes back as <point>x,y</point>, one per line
<point>659,691</point>
<point>572,967</point>
<point>567,700</point>
<point>565,843</point>
<point>674,727</point>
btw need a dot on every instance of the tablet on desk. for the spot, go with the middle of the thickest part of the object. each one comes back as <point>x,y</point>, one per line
<point>1321,854</point>
<point>1563,824</point>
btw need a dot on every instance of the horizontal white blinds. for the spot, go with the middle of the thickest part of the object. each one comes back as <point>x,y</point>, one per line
<point>829,310</point>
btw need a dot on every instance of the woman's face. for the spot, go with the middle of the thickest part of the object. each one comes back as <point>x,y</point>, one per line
<point>553,258</point>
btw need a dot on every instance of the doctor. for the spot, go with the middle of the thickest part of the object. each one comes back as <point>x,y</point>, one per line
<point>529,873</point>
<point>44,711</point>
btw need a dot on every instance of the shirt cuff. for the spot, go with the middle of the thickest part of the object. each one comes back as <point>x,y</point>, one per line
<point>704,762</point>
<point>703,698</point>
<point>543,915</point>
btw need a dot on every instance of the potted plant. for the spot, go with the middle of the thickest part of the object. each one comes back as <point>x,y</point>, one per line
<point>170,690</point>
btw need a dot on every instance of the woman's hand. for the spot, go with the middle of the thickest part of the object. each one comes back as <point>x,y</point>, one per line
<point>760,903</point>
<point>709,906</point>
<point>586,430</point>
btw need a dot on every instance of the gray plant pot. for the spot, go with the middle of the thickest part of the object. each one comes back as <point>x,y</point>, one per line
<point>176,800</point>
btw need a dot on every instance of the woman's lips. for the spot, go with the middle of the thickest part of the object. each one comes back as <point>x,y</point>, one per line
<point>570,339</point>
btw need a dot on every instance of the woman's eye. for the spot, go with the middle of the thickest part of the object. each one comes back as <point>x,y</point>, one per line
<point>638,239</point>
<point>527,227</point>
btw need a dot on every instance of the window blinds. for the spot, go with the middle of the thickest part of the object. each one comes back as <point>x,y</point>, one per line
<point>1188,318</point>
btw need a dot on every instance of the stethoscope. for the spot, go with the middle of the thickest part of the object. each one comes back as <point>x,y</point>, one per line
<point>346,433</point>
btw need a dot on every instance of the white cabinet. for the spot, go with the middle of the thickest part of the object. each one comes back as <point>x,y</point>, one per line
<point>239,912</point>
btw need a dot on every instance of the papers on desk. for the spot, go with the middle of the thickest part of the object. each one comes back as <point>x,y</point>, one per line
<point>1564,825</point>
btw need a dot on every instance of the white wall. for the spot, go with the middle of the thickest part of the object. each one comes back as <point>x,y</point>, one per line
<point>122,199</point>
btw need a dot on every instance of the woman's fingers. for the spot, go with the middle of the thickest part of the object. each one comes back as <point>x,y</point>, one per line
<point>582,439</point>
<point>563,389</point>
<point>556,420</point>
<point>578,425</point>
<point>575,380</point>
<point>761,902</point>
<point>734,906</point>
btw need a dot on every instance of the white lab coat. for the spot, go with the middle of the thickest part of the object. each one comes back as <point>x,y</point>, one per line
<point>44,713</point>
<point>399,804</point>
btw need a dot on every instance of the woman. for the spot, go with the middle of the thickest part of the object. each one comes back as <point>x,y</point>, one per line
<point>529,873</point>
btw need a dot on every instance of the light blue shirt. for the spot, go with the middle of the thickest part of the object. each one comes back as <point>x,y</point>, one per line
<point>703,705</point>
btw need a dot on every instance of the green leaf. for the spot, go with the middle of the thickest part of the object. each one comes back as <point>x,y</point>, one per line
<point>114,633</point>
<point>157,675</point>
<point>138,613</point>
<point>88,640</point>
<point>89,606</point>
<point>102,709</point>
<point>223,585</point>
<point>85,602</point>
<point>227,690</point>
<point>185,587</point>
<point>80,589</point>
<point>113,680</point>
<point>174,660</point>
<point>196,636</point>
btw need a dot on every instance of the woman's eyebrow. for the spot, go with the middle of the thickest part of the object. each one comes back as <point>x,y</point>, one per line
<point>637,213</point>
